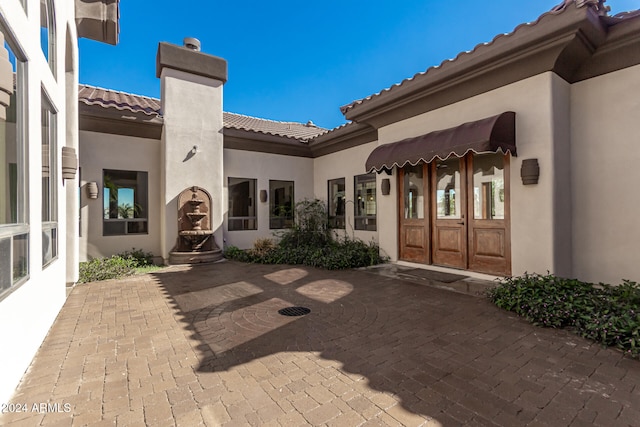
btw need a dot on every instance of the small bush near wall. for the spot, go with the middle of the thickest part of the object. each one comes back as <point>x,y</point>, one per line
<point>606,314</point>
<point>310,242</point>
<point>116,266</point>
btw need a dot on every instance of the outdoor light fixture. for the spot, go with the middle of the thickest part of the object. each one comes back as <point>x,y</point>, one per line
<point>92,190</point>
<point>530,171</point>
<point>69,163</point>
<point>194,150</point>
<point>263,196</point>
<point>386,186</point>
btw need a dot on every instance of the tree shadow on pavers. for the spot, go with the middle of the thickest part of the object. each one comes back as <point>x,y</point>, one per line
<point>444,355</point>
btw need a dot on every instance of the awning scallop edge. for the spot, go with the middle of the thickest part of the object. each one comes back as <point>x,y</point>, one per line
<point>493,134</point>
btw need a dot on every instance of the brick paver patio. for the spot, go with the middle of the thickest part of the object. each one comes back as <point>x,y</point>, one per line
<point>206,346</point>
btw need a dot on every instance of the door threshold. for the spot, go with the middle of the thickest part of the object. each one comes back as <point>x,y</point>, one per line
<point>474,274</point>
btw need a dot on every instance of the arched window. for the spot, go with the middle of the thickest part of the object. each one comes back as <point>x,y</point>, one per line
<point>48,33</point>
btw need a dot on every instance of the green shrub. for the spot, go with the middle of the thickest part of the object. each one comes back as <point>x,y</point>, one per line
<point>138,256</point>
<point>606,314</point>
<point>310,242</point>
<point>123,264</point>
<point>106,268</point>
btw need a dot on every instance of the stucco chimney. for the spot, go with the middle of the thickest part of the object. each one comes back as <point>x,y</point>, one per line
<point>191,96</point>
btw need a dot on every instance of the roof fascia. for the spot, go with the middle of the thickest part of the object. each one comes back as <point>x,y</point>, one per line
<point>240,139</point>
<point>112,121</point>
<point>348,136</point>
<point>556,42</point>
<point>620,50</point>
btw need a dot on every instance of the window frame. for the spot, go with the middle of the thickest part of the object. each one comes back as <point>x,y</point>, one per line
<point>20,228</point>
<point>245,221</point>
<point>335,220</point>
<point>280,222</point>
<point>51,32</point>
<point>365,222</point>
<point>49,217</point>
<point>127,221</point>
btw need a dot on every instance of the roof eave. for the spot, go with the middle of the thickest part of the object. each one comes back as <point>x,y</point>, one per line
<point>247,140</point>
<point>343,137</point>
<point>559,42</point>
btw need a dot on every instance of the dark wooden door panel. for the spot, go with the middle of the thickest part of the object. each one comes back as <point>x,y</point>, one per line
<point>449,247</point>
<point>489,242</point>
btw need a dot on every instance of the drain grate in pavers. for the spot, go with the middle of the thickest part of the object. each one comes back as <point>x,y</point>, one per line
<point>294,311</point>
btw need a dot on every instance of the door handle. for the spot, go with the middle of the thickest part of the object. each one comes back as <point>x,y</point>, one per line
<point>461,223</point>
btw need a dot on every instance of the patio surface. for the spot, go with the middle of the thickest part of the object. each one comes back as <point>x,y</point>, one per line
<point>205,345</point>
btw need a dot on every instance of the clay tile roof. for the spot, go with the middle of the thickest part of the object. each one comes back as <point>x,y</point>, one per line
<point>91,95</point>
<point>301,131</point>
<point>597,4</point>
<point>105,98</point>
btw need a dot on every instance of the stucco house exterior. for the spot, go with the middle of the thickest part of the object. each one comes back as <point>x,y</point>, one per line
<point>507,159</point>
<point>517,156</point>
<point>38,160</point>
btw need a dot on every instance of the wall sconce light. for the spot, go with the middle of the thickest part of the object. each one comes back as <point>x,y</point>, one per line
<point>92,190</point>
<point>69,163</point>
<point>263,196</point>
<point>530,171</point>
<point>386,186</point>
<point>194,150</point>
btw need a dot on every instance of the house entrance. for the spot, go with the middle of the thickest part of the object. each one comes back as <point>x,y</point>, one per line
<point>455,213</point>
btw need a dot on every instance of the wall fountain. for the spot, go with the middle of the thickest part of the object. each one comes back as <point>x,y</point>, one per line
<point>195,243</point>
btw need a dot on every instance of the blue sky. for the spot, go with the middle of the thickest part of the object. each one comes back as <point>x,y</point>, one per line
<point>299,61</point>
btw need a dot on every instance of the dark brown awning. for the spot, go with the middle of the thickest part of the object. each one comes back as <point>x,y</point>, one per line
<point>493,134</point>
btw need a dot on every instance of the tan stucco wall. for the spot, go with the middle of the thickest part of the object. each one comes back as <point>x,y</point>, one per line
<point>192,109</point>
<point>532,207</point>
<point>605,114</point>
<point>99,151</point>
<point>264,167</point>
<point>346,164</point>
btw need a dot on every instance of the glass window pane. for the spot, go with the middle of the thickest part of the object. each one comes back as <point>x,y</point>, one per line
<point>12,189</point>
<point>47,32</point>
<point>5,264</point>
<point>413,192</point>
<point>448,188</point>
<point>337,202</point>
<point>488,186</point>
<point>281,204</point>
<point>49,207</point>
<point>365,206</point>
<point>125,202</point>
<point>242,204</point>
<point>20,257</point>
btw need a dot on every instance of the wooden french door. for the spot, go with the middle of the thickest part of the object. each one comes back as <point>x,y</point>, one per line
<point>413,186</point>
<point>449,211</point>
<point>463,221</point>
<point>489,236</point>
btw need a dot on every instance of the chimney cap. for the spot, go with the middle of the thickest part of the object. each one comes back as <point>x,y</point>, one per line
<point>192,43</point>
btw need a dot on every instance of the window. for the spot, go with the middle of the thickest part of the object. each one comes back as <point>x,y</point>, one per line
<point>488,186</point>
<point>448,183</point>
<point>281,204</point>
<point>48,33</point>
<point>14,230</point>
<point>49,184</point>
<point>125,203</point>
<point>413,192</point>
<point>337,201</point>
<point>242,204</point>
<point>365,195</point>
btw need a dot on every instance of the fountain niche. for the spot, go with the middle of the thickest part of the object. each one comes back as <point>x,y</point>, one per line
<point>195,236</point>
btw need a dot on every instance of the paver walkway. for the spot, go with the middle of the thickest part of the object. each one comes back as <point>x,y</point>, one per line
<point>205,345</point>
